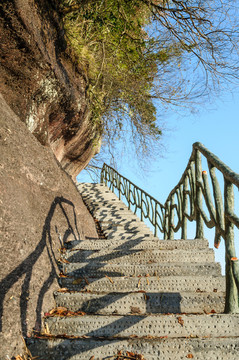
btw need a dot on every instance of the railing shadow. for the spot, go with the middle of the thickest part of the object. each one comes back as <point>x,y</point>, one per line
<point>26,267</point>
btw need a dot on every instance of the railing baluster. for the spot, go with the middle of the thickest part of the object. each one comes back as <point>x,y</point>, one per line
<point>184,209</point>
<point>141,205</point>
<point>217,197</point>
<point>231,305</point>
<point>198,200</point>
<point>171,218</point>
<point>155,219</point>
<point>192,188</point>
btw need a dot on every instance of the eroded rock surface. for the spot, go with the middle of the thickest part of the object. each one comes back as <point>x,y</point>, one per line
<point>40,208</point>
<point>42,85</point>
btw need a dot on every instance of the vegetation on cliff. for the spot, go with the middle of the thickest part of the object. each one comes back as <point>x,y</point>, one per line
<point>143,55</point>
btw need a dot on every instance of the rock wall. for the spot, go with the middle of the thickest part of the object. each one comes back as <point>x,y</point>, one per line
<point>42,93</point>
<point>42,85</point>
<point>40,209</point>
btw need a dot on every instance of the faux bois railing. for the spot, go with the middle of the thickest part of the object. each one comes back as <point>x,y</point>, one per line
<point>194,198</point>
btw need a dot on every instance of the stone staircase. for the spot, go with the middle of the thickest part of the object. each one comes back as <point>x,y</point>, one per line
<point>132,296</point>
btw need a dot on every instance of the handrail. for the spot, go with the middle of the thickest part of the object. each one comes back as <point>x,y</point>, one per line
<point>149,207</point>
<point>194,190</point>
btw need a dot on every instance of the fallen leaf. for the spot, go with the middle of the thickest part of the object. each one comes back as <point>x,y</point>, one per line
<point>92,357</point>
<point>130,353</point>
<point>149,337</point>
<point>139,283</point>
<point>86,290</point>
<point>147,275</point>
<point>77,281</point>
<point>63,290</point>
<point>214,290</point>
<point>112,282</point>
<point>46,329</point>
<point>213,311</point>
<point>87,282</point>
<point>135,310</point>
<point>147,281</point>
<point>63,261</point>
<point>58,311</point>
<point>190,356</point>
<point>81,313</point>
<point>61,309</point>
<point>62,275</point>
<point>180,320</point>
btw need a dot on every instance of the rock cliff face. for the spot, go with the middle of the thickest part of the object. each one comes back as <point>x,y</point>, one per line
<point>40,209</point>
<point>42,85</point>
<point>41,90</point>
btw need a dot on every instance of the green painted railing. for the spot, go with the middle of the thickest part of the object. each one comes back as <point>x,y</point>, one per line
<point>189,200</point>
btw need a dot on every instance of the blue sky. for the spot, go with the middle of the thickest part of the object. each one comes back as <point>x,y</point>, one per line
<point>216,126</point>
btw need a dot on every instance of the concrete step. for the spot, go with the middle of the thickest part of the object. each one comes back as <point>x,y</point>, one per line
<point>100,269</point>
<point>94,190</point>
<point>154,284</point>
<point>107,208</point>
<point>150,349</point>
<point>140,256</point>
<point>124,233</point>
<point>116,215</point>
<point>126,223</point>
<point>172,326</point>
<point>133,225</point>
<point>138,243</point>
<point>141,302</point>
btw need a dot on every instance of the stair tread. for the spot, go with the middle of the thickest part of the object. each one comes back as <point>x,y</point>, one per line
<point>152,284</point>
<point>137,242</point>
<point>159,298</point>
<point>151,349</point>
<point>173,325</point>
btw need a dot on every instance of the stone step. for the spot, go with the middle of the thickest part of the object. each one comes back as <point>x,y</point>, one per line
<point>108,208</point>
<point>124,233</point>
<point>100,269</point>
<point>137,228</point>
<point>150,349</point>
<point>172,326</point>
<point>119,220</point>
<point>138,243</point>
<point>128,222</point>
<point>152,284</point>
<point>124,212</point>
<point>97,195</point>
<point>140,256</point>
<point>141,302</point>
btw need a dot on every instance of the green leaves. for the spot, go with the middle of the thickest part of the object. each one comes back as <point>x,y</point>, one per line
<point>137,51</point>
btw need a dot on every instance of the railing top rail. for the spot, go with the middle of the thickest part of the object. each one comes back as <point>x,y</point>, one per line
<point>137,187</point>
<point>198,197</point>
<point>214,160</point>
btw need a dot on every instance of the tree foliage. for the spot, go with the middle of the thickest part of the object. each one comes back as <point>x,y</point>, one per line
<point>141,55</point>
